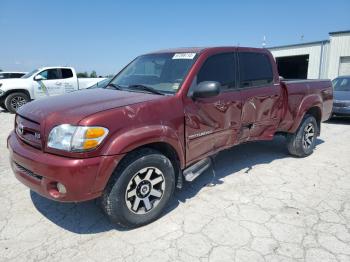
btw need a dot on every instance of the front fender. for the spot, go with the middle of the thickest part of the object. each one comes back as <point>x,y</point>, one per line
<point>15,86</point>
<point>124,142</point>
<point>307,103</point>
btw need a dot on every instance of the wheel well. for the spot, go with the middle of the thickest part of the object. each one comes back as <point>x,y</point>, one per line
<point>316,113</point>
<point>17,91</point>
<point>169,152</point>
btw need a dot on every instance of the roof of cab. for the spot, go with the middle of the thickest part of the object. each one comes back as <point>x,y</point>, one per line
<point>198,49</point>
<point>179,50</point>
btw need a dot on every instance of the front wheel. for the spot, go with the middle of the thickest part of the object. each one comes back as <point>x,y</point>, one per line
<point>303,142</point>
<point>2,105</point>
<point>15,100</point>
<point>140,189</point>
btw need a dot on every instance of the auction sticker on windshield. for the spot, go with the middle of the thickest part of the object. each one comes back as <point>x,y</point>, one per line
<point>184,56</point>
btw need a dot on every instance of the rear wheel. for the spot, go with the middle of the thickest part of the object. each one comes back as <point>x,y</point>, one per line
<point>140,189</point>
<point>303,142</point>
<point>15,100</point>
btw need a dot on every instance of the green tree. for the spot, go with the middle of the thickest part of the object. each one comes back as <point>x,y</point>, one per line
<point>82,75</point>
<point>93,74</point>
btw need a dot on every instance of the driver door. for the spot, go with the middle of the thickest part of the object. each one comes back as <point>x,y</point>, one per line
<point>50,85</point>
<point>212,124</point>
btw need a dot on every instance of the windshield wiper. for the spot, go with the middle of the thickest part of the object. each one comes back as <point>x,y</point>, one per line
<point>117,87</point>
<point>146,88</point>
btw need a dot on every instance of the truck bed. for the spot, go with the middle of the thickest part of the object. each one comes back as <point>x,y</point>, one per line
<point>301,94</point>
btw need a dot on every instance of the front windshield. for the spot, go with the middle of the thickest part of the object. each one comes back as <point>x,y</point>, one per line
<point>27,75</point>
<point>341,84</point>
<point>163,72</point>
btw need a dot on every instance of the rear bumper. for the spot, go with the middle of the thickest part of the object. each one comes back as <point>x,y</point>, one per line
<point>341,111</point>
<point>84,179</point>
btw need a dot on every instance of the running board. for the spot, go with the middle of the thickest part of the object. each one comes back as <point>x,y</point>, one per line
<point>192,172</point>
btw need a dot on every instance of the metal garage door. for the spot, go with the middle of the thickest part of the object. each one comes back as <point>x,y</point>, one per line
<point>344,66</point>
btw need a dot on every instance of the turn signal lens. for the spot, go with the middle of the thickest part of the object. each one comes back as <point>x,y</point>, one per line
<point>89,144</point>
<point>94,132</point>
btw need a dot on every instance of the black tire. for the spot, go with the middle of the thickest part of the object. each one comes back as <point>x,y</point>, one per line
<point>115,200</point>
<point>15,100</point>
<point>2,105</point>
<point>297,143</point>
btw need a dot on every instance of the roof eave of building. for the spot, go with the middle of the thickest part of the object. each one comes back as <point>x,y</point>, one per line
<point>300,44</point>
<point>340,32</point>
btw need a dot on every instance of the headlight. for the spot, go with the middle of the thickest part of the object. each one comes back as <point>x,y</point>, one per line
<point>76,138</point>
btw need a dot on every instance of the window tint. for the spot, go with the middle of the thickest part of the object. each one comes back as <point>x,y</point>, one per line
<point>50,74</point>
<point>255,69</point>
<point>220,68</point>
<point>16,75</point>
<point>66,73</point>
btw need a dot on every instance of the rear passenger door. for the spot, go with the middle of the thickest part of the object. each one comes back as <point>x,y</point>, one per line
<point>213,123</point>
<point>69,82</point>
<point>261,98</point>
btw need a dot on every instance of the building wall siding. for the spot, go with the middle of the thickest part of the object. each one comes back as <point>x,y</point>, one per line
<point>314,52</point>
<point>339,47</point>
<point>322,64</point>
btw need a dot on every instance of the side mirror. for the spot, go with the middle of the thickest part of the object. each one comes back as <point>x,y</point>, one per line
<point>206,89</point>
<point>39,78</point>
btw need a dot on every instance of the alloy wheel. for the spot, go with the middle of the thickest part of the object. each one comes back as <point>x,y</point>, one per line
<point>17,102</point>
<point>145,190</point>
<point>308,136</point>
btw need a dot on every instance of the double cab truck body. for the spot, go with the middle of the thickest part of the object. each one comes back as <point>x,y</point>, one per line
<point>40,83</point>
<point>158,122</point>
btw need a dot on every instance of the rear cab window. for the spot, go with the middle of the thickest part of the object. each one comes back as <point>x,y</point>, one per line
<point>255,69</point>
<point>66,73</point>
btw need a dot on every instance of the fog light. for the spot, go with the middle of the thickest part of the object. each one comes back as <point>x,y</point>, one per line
<point>61,188</point>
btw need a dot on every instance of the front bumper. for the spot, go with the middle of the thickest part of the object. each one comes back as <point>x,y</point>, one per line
<point>341,111</point>
<point>84,179</point>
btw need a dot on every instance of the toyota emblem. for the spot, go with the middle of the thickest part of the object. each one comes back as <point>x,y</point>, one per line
<point>20,129</point>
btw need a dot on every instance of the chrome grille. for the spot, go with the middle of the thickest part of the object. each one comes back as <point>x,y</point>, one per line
<point>341,103</point>
<point>28,131</point>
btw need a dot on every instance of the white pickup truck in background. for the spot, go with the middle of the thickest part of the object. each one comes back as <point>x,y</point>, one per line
<point>40,83</point>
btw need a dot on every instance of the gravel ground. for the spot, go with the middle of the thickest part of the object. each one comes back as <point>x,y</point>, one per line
<point>263,205</point>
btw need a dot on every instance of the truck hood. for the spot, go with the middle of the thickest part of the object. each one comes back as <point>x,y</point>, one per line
<point>342,95</point>
<point>14,82</point>
<point>73,107</point>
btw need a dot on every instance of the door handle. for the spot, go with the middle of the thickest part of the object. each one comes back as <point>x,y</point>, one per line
<point>58,83</point>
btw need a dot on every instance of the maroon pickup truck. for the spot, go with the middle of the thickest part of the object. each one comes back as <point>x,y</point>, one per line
<point>159,121</point>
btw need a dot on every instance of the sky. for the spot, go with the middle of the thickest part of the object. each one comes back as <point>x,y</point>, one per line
<point>105,35</point>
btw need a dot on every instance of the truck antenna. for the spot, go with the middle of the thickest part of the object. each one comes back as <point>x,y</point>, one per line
<point>264,42</point>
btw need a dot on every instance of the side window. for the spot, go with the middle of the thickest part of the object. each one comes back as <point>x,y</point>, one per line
<point>50,74</point>
<point>16,75</point>
<point>254,69</point>
<point>66,73</point>
<point>220,68</point>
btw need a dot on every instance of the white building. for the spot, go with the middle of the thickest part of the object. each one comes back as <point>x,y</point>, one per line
<point>321,59</point>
